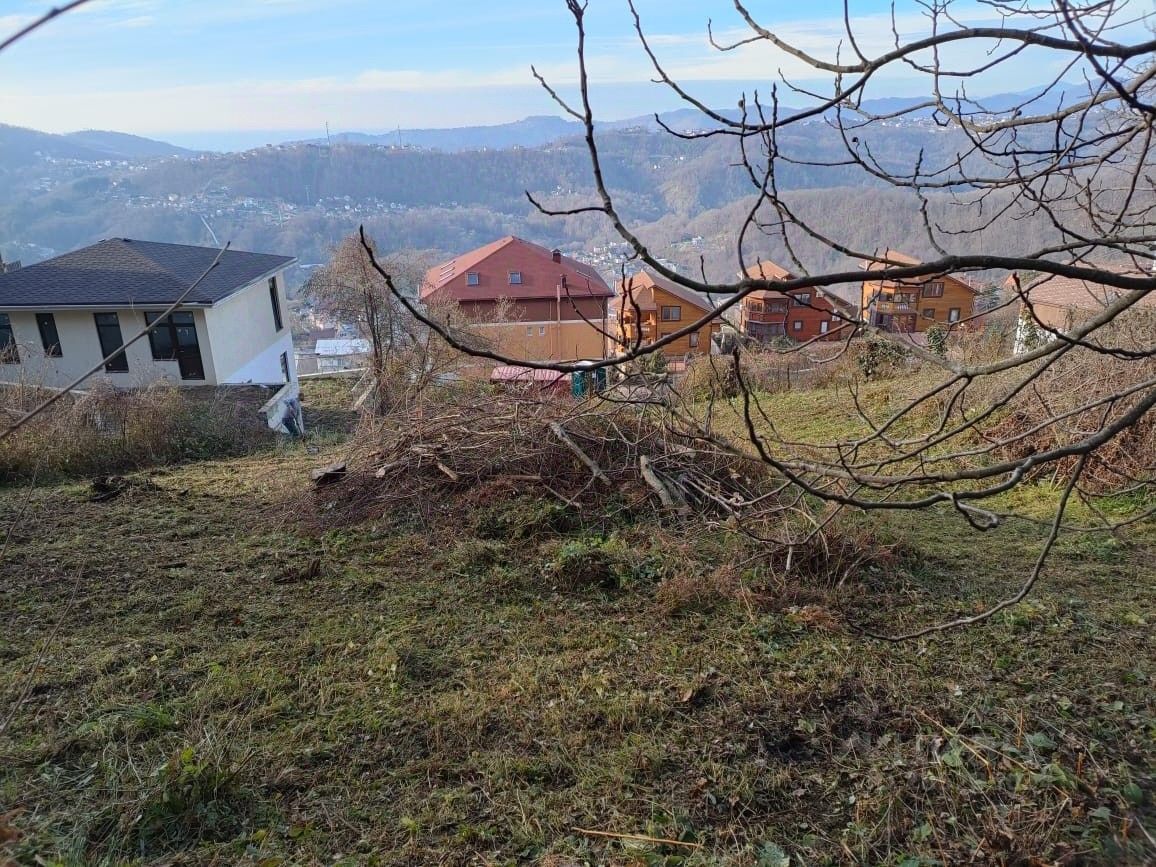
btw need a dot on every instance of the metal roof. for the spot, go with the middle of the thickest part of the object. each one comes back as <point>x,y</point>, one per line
<point>342,346</point>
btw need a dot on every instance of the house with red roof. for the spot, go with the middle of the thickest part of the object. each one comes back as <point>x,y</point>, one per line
<point>816,313</point>
<point>912,306</point>
<point>526,301</point>
<point>1058,304</point>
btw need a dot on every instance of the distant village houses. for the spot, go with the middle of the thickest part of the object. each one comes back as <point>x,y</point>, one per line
<point>6,267</point>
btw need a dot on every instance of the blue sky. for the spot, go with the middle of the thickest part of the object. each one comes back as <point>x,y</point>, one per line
<point>183,68</point>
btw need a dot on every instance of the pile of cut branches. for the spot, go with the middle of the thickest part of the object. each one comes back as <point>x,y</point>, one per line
<point>588,455</point>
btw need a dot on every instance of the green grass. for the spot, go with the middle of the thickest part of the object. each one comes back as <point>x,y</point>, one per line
<point>193,677</point>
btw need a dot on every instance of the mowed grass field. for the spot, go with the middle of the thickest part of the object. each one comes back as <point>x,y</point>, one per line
<point>201,670</point>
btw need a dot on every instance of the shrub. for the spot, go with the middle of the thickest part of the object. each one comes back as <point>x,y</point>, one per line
<point>937,339</point>
<point>711,376</point>
<point>108,431</point>
<point>880,359</point>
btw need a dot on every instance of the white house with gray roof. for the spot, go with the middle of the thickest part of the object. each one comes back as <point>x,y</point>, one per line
<point>60,317</point>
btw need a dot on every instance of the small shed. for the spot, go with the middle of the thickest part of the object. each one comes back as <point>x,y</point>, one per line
<point>516,374</point>
<point>341,353</point>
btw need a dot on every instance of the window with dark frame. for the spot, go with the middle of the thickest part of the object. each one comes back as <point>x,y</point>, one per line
<point>693,339</point>
<point>161,339</point>
<point>49,336</point>
<point>801,299</point>
<point>953,314</point>
<point>823,326</point>
<point>933,289</point>
<point>515,278</point>
<point>275,300</point>
<point>672,313</point>
<point>9,353</point>
<point>928,312</point>
<point>797,325</point>
<point>108,330</point>
<point>778,307</point>
<point>473,278</point>
<point>285,367</point>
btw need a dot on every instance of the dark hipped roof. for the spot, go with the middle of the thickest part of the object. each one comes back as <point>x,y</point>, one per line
<point>120,271</point>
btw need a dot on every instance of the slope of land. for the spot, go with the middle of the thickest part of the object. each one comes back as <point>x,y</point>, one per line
<point>202,671</point>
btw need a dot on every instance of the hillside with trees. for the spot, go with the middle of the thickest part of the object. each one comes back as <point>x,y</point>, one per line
<point>303,199</point>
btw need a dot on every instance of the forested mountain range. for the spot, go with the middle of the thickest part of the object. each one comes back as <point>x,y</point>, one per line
<point>24,147</point>
<point>686,198</point>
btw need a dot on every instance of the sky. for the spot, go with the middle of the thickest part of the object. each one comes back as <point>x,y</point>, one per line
<point>189,70</point>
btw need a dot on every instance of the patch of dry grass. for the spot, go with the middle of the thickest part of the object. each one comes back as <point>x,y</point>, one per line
<point>184,682</point>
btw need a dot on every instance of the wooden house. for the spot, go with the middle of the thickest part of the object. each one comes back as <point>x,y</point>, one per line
<point>800,314</point>
<point>647,307</point>
<point>529,302</point>
<point>1058,304</point>
<point>915,305</point>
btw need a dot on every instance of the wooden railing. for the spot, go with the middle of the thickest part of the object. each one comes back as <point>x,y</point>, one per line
<point>894,307</point>
<point>766,315</point>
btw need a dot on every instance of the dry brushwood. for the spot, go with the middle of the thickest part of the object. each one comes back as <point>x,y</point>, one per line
<point>407,462</point>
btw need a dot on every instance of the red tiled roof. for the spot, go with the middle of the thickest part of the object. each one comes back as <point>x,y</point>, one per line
<point>768,270</point>
<point>1069,292</point>
<point>893,257</point>
<point>541,274</point>
<point>765,269</point>
<point>642,287</point>
<point>896,259</point>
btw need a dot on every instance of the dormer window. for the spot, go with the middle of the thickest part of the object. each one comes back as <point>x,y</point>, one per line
<point>515,278</point>
<point>473,278</point>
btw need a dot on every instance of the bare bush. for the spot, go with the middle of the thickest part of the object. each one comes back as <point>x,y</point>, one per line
<point>111,431</point>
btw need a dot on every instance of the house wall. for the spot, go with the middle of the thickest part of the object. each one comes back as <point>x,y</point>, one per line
<point>810,319</point>
<point>1056,317</point>
<point>332,363</point>
<point>80,351</point>
<point>536,309</point>
<point>245,344</point>
<point>544,341</point>
<point>540,330</point>
<point>956,294</point>
<point>655,328</point>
